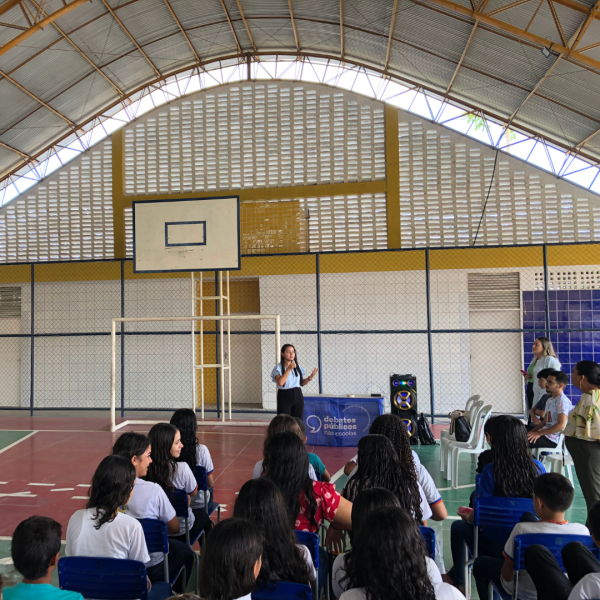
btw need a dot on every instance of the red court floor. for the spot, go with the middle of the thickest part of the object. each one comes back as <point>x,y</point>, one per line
<point>63,453</point>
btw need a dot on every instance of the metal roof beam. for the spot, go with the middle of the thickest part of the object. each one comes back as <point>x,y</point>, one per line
<point>584,26</point>
<point>462,58</point>
<point>183,32</point>
<point>342,29</point>
<point>561,33</point>
<point>246,25</point>
<point>22,154</point>
<point>40,25</point>
<point>294,25</point>
<point>392,25</point>
<point>235,37</point>
<point>114,14</point>
<point>507,7</point>
<point>8,5</point>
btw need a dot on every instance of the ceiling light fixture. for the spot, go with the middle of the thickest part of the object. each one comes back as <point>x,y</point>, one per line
<point>547,52</point>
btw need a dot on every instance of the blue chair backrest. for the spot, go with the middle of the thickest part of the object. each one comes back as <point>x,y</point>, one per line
<point>550,541</point>
<point>429,538</point>
<point>498,511</point>
<point>311,541</point>
<point>103,578</point>
<point>282,590</point>
<point>155,532</point>
<point>477,480</point>
<point>179,500</point>
<point>201,478</point>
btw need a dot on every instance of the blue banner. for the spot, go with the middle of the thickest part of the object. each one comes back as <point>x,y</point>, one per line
<point>338,420</point>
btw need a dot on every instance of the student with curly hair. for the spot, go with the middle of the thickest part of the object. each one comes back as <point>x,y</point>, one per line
<point>101,529</point>
<point>193,452</point>
<point>170,474</point>
<point>379,466</point>
<point>231,560</point>
<point>388,561</point>
<point>261,502</point>
<point>511,474</point>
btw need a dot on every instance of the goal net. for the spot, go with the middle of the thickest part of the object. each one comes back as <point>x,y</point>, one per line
<point>156,365</point>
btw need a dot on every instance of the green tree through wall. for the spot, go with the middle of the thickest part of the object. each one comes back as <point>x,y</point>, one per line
<point>480,125</point>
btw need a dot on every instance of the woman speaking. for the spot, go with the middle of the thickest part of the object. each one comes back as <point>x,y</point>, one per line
<point>289,377</point>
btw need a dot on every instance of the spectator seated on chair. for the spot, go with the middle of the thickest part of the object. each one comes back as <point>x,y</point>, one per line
<point>261,502</point>
<point>583,569</point>
<point>537,412</point>
<point>35,549</point>
<point>366,502</point>
<point>277,425</point>
<point>231,561</point>
<point>389,561</point>
<point>511,474</point>
<point>552,497</point>
<point>102,529</point>
<point>193,452</point>
<point>315,462</point>
<point>170,474</point>
<point>379,466</point>
<point>149,501</point>
<point>558,407</point>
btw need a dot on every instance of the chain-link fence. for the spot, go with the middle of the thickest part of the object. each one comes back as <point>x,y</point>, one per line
<point>461,320</point>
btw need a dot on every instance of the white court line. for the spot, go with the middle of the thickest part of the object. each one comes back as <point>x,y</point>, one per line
<point>42,484</point>
<point>458,487</point>
<point>79,498</point>
<point>19,495</point>
<point>84,485</point>
<point>339,473</point>
<point>62,490</point>
<point>18,441</point>
<point>8,538</point>
<point>96,431</point>
<point>6,561</point>
<point>3,482</point>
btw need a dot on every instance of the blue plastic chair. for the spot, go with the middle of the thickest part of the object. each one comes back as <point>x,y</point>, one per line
<point>311,541</point>
<point>157,540</point>
<point>105,578</point>
<point>429,538</point>
<point>202,481</point>
<point>498,512</point>
<point>282,590</point>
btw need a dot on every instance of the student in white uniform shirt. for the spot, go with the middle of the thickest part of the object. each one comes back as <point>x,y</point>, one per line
<point>552,497</point>
<point>582,580</point>
<point>261,502</point>
<point>169,474</point>
<point>231,561</point>
<point>102,530</point>
<point>149,501</point>
<point>388,561</point>
<point>278,424</point>
<point>193,452</point>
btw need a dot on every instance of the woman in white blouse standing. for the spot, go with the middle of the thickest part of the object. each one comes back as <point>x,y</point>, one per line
<point>290,377</point>
<point>544,357</point>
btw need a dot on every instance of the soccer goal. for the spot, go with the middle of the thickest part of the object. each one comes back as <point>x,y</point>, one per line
<point>222,366</point>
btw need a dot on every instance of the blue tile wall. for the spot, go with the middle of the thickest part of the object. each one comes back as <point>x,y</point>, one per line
<point>569,309</point>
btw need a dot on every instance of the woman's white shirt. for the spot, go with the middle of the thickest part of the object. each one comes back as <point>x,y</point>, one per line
<point>184,480</point>
<point>123,537</point>
<point>258,470</point>
<point>339,571</point>
<point>546,362</point>
<point>309,561</point>
<point>443,591</point>
<point>203,459</point>
<point>292,380</point>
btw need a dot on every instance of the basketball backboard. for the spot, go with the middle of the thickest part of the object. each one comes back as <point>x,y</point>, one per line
<point>186,235</point>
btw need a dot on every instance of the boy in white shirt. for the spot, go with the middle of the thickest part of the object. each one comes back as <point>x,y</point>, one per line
<point>552,497</point>
<point>583,569</point>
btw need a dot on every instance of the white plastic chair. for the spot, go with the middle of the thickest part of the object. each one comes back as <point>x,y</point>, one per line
<point>477,445</point>
<point>446,432</point>
<point>555,459</point>
<point>445,464</point>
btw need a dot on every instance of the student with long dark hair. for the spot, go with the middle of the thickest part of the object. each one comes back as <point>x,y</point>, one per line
<point>388,561</point>
<point>379,466</point>
<point>193,452</point>
<point>290,377</point>
<point>582,433</point>
<point>149,501</point>
<point>511,474</point>
<point>231,560</point>
<point>101,529</point>
<point>261,502</point>
<point>170,474</point>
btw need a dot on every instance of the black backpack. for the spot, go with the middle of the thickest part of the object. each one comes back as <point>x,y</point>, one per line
<point>425,434</point>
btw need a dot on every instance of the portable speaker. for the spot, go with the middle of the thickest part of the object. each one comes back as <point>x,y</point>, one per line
<point>403,397</point>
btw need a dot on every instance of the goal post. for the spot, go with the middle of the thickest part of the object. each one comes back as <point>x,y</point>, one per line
<point>113,362</point>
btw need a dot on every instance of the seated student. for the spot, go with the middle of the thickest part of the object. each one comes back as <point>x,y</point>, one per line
<point>149,501</point>
<point>316,463</point>
<point>552,497</point>
<point>366,502</point>
<point>169,474</point>
<point>389,560</point>
<point>487,456</point>
<point>511,474</point>
<point>35,550</point>
<point>193,452</point>
<point>277,425</point>
<point>583,569</point>
<point>261,502</point>
<point>379,466</point>
<point>102,529</point>
<point>231,560</point>
<point>394,429</point>
<point>558,407</point>
<point>537,412</point>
